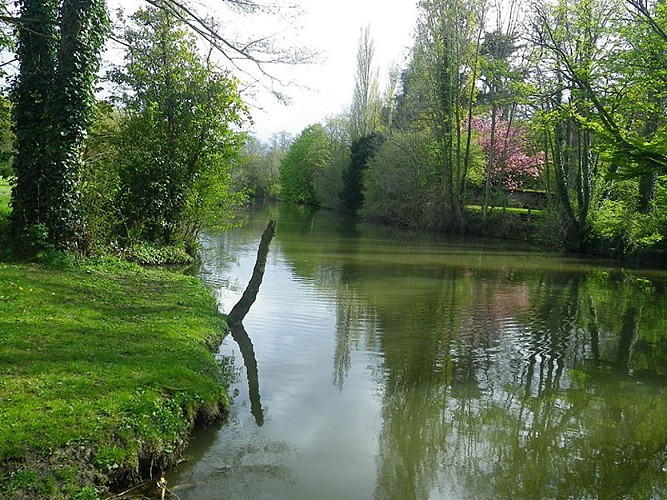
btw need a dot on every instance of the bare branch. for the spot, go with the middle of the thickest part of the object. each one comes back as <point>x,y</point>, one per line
<point>258,52</point>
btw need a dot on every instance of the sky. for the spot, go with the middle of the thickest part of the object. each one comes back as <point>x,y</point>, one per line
<point>332,28</point>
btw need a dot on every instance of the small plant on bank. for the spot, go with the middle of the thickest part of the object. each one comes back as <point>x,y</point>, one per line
<point>153,255</point>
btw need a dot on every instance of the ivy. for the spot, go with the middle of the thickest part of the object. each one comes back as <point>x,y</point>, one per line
<point>58,49</point>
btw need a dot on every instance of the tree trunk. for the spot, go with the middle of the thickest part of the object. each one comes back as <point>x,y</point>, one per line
<point>242,307</point>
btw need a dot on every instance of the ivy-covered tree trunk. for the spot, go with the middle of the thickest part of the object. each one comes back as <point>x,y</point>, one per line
<point>36,53</point>
<point>59,46</point>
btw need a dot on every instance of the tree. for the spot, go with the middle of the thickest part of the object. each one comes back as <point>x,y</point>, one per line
<point>6,138</point>
<point>329,180</point>
<point>58,48</point>
<point>500,80</point>
<point>308,155</point>
<point>606,86</point>
<point>258,173</point>
<point>570,36</point>
<point>512,164</point>
<point>179,135</point>
<point>436,87</point>
<point>644,86</point>
<point>366,103</point>
<point>362,151</point>
<point>398,182</point>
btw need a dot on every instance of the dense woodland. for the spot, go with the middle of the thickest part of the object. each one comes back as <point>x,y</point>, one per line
<point>544,120</point>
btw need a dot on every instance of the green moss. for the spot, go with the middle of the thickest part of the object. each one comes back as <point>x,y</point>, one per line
<point>103,370</point>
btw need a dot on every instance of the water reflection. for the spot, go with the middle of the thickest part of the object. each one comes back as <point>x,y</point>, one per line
<point>241,337</point>
<point>496,372</point>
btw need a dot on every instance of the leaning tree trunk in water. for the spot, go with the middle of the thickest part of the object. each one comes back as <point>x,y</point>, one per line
<point>242,307</point>
<point>239,312</point>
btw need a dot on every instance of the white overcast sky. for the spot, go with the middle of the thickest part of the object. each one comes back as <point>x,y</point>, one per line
<point>333,28</point>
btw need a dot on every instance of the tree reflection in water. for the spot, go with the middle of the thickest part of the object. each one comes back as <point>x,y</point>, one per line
<point>515,386</point>
<point>241,337</point>
<point>498,375</point>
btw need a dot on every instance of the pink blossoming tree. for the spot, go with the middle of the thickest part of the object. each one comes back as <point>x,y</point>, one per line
<point>512,165</point>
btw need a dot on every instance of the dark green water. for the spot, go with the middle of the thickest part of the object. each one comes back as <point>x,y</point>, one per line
<point>396,365</point>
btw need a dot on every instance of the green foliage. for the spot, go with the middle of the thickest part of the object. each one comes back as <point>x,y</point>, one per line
<point>178,137</point>
<point>329,181</point>
<point>630,123</point>
<point>362,151</point>
<point>58,49</point>
<point>308,155</point>
<point>258,169</point>
<point>5,196</point>
<point>437,88</point>
<point>151,255</point>
<point>105,368</point>
<point>100,181</point>
<point>6,139</point>
<point>398,185</point>
<point>620,228</point>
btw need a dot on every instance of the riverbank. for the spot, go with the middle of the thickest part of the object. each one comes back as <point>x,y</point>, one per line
<point>104,369</point>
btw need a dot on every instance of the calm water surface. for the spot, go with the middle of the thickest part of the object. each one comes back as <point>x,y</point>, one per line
<point>389,364</point>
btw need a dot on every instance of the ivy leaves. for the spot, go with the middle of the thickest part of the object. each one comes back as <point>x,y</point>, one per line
<point>59,46</point>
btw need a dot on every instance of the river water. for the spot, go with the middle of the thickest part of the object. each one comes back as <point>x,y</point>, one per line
<point>390,364</point>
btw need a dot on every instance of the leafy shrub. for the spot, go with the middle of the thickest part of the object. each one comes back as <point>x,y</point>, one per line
<point>153,255</point>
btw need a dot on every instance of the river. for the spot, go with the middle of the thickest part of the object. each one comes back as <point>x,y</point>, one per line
<point>386,363</point>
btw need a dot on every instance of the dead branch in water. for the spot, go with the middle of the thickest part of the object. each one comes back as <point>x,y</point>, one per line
<point>242,307</point>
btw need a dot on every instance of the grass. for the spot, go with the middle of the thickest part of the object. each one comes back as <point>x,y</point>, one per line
<point>5,190</point>
<point>104,368</point>
<point>510,210</point>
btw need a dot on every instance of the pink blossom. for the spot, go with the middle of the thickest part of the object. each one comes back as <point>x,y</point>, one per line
<point>512,166</point>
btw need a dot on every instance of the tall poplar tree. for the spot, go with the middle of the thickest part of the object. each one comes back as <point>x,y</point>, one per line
<point>440,76</point>
<point>366,103</point>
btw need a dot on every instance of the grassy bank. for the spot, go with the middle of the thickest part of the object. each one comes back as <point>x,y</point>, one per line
<point>5,190</point>
<point>103,370</point>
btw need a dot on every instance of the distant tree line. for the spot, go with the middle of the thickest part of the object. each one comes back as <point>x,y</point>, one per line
<point>558,117</point>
